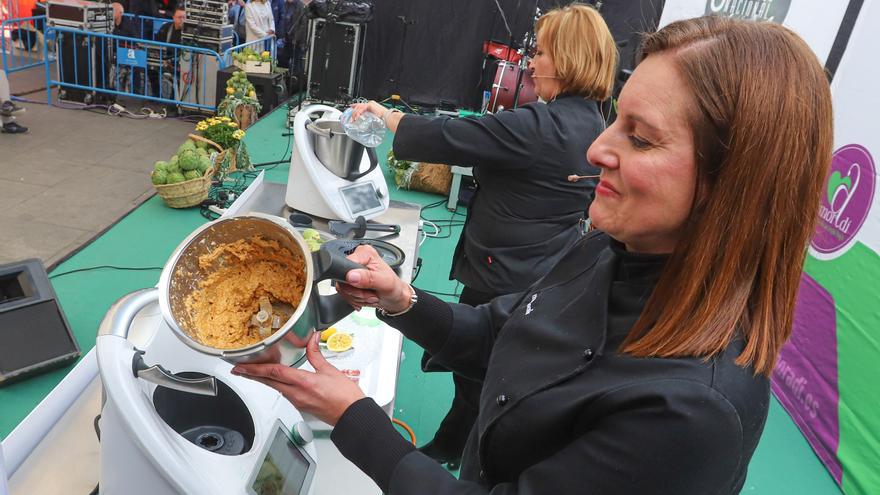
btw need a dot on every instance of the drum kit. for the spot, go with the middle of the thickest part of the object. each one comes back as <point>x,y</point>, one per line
<point>512,85</point>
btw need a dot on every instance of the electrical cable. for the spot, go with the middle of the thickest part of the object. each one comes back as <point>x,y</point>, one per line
<point>117,110</point>
<point>438,225</point>
<point>432,225</point>
<point>146,112</point>
<point>285,159</point>
<point>111,267</point>
<point>412,434</point>
<point>417,269</point>
<point>504,18</point>
<point>223,194</point>
<point>443,228</point>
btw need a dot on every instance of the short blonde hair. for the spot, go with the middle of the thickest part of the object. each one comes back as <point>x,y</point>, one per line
<point>582,48</point>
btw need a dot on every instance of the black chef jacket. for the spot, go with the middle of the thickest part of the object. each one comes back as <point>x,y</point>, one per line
<point>525,213</point>
<point>562,411</point>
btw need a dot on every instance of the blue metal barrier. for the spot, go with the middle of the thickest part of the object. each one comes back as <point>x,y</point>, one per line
<point>142,20</point>
<point>117,65</point>
<point>260,45</point>
<point>21,43</point>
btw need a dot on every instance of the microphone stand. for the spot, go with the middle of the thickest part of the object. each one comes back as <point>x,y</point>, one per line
<point>522,61</point>
<point>395,97</point>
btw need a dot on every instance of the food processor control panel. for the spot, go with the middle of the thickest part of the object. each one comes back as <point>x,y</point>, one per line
<point>285,467</point>
<point>362,198</point>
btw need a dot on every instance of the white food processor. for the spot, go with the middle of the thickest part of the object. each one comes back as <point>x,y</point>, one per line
<point>331,175</point>
<point>200,430</point>
<point>174,419</point>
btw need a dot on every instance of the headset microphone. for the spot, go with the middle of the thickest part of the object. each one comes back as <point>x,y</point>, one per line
<point>575,177</point>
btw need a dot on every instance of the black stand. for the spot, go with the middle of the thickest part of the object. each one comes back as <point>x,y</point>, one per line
<point>523,62</point>
<point>394,98</point>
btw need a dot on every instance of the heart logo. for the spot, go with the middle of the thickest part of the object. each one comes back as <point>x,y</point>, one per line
<point>834,182</point>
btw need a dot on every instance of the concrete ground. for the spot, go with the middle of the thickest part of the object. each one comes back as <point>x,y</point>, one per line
<point>74,174</point>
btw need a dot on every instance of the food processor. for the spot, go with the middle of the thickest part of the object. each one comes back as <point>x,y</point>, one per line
<point>174,419</point>
<point>331,175</point>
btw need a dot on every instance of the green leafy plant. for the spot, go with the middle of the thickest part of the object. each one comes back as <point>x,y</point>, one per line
<point>223,131</point>
<point>403,170</point>
<point>239,91</point>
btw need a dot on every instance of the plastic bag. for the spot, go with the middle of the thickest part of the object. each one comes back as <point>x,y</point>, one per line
<point>368,129</point>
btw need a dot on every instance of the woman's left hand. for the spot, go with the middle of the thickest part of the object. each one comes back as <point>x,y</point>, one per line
<point>326,393</point>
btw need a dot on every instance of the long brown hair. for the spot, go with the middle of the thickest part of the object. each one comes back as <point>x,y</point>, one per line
<point>763,136</point>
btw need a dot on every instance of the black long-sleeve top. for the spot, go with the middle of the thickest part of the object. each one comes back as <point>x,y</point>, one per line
<point>525,213</point>
<point>561,410</point>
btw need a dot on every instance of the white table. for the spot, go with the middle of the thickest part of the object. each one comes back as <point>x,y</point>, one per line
<point>457,173</point>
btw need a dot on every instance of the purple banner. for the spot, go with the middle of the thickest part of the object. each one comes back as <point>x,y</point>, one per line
<point>805,378</point>
<point>849,193</point>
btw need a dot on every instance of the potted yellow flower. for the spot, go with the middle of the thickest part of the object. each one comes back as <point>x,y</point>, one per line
<point>228,138</point>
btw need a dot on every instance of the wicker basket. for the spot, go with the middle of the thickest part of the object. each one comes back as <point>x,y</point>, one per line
<point>191,192</point>
<point>187,193</point>
<point>432,178</point>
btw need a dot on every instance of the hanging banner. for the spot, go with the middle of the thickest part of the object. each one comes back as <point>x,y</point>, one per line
<point>817,21</point>
<point>828,373</point>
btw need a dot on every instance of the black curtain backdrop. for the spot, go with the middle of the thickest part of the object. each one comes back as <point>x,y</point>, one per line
<point>430,51</point>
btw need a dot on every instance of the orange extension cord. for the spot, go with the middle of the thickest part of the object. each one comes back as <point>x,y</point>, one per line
<point>412,434</point>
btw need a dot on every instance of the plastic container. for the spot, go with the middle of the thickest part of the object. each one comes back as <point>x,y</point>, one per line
<point>368,129</point>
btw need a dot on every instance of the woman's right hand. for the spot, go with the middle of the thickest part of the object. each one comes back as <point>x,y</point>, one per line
<point>371,106</point>
<point>376,285</point>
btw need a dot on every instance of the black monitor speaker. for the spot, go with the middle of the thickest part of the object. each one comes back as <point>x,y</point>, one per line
<point>34,333</point>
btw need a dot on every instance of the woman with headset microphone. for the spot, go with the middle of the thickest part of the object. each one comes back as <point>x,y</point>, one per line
<point>527,209</point>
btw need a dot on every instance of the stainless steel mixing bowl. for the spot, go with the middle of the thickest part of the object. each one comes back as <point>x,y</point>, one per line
<point>182,275</point>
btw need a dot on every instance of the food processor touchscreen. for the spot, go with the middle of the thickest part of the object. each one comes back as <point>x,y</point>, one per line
<point>361,198</point>
<point>285,470</point>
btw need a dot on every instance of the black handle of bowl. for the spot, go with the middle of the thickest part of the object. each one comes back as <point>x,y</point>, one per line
<point>331,309</point>
<point>374,162</point>
<point>330,263</point>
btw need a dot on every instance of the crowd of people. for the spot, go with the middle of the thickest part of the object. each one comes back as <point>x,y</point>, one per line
<point>251,20</point>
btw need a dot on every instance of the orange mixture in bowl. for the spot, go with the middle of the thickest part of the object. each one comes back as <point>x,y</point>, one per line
<point>239,275</point>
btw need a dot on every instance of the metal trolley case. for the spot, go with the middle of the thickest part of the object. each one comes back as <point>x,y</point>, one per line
<point>80,14</point>
<point>335,52</point>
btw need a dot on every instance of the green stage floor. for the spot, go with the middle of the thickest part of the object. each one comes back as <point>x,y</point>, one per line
<point>783,463</point>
